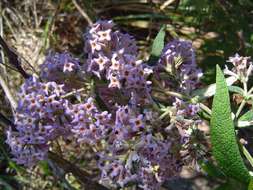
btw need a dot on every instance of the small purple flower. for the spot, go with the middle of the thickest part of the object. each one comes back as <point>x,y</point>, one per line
<point>89,124</point>
<point>178,58</point>
<point>38,120</point>
<point>242,67</point>
<point>62,68</point>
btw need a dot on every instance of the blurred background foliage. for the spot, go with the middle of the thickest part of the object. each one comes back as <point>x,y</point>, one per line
<point>217,28</point>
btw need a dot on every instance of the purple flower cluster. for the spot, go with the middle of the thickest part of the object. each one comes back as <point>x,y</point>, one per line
<point>149,163</point>
<point>64,69</point>
<point>178,61</point>
<point>40,118</point>
<point>242,67</point>
<point>115,172</point>
<point>178,58</point>
<point>88,123</point>
<point>132,147</point>
<point>185,118</point>
<point>112,55</point>
<point>156,162</point>
<point>103,44</point>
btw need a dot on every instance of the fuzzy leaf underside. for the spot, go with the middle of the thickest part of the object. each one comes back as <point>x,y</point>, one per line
<point>224,144</point>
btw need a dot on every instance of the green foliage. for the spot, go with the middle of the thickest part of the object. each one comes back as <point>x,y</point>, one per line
<point>248,116</point>
<point>236,89</point>
<point>7,180</point>
<point>212,170</point>
<point>157,46</point>
<point>229,19</point>
<point>224,144</point>
<point>250,187</point>
<point>246,119</point>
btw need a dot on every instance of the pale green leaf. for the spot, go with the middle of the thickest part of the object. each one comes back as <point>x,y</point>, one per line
<point>246,119</point>
<point>209,91</point>
<point>157,46</point>
<point>224,144</point>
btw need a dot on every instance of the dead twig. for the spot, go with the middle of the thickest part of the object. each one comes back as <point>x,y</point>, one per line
<point>13,58</point>
<point>3,83</point>
<point>7,122</point>
<point>83,13</point>
<point>84,177</point>
<point>8,93</point>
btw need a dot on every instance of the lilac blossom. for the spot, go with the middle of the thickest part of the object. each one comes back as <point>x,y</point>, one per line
<point>88,123</point>
<point>242,67</point>
<point>101,43</point>
<point>185,118</point>
<point>39,119</point>
<point>148,164</point>
<point>155,161</point>
<point>64,69</point>
<point>115,171</point>
<point>112,55</point>
<point>134,148</point>
<point>178,58</point>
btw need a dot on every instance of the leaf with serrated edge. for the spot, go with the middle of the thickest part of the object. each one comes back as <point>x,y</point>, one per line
<point>224,144</point>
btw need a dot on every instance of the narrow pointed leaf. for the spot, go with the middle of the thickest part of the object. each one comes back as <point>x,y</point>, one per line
<point>157,46</point>
<point>209,91</point>
<point>246,119</point>
<point>224,144</point>
<point>248,116</point>
<point>250,187</point>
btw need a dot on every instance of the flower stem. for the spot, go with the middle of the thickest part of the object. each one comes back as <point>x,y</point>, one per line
<point>171,93</point>
<point>205,108</point>
<point>240,108</point>
<point>247,155</point>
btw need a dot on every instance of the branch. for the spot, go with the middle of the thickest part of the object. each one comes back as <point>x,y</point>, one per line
<point>7,122</point>
<point>84,177</point>
<point>13,58</point>
<point>84,14</point>
<point>8,93</point>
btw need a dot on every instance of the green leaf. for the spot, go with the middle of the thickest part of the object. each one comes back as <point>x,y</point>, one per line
<point>157,46</point>
<point>209,91</point>
<point>224,144</point>
<point>246,119</point>
<point>248,116</point>
<point>5,186</point>
<point>212,170</point>
<point>250,186</point>
<point>236,89</point>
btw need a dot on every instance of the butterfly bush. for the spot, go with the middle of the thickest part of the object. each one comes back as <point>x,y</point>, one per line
<point>40,117</point>
<point>178,59</point>
<point>63,69</point>
<point>133,144</point>
<point>242,68</point>
<point>113,55</point>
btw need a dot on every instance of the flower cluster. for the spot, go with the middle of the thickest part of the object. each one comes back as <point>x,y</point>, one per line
<point>102,43</point>
<point>40,118</point>
<point>64,69</point>
<point>88,123</point>
<point>156,162</point>
<point>242,67</point>
<point>149,163</point>
<point>112,54</point>
<point>185,117</point>
<point>131,145</point>
<point>178,59</point>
